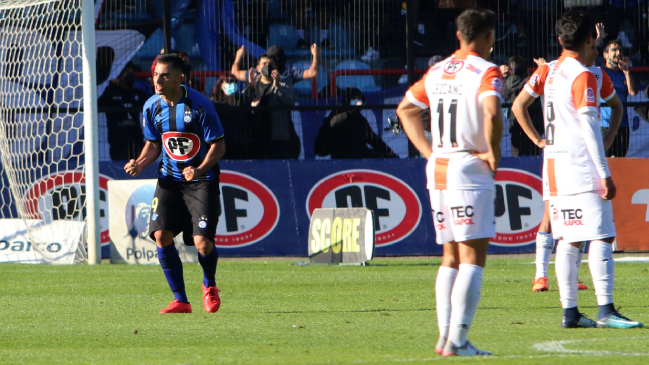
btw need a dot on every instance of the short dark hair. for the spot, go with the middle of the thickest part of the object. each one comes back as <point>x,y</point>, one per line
<point>518,65</point>
<point>270,57</point>
<point>171,59</point>
<point>278,53</point>
<point>573,28</point>
<point>475,21</point>
<point>610,43</point>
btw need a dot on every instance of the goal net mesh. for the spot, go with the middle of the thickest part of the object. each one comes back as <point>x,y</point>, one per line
<point>41,132</point>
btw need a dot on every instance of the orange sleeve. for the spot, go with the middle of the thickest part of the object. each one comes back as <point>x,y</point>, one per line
<point>584,92</point>
<point>491,83</point>
<point>608,90</point>
<point>536,83</point>
<point>417,93</point>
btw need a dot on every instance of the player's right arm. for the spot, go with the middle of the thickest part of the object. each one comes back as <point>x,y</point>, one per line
<point>409,113</point>
<point>584,93</point>
<point>153,145</point>
<point>491,100</point>
<point>532,90</point>
<point>149,154</point>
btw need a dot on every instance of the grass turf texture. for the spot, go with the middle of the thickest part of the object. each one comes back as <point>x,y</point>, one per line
<point>273,313</point>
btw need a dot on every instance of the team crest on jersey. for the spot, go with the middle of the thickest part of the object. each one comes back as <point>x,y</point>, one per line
<point>188,117</point>
<point>590,95</point>
<point>453,66</point>
<point>497,84</point>
<point>534,80</point>
<point>202,222</point>
<point>181,146</point>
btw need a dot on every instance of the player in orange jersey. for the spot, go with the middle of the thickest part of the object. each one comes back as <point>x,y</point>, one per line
<point>466,128</point>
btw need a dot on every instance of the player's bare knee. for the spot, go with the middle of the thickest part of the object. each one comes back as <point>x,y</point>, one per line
<point>451,257</point>
<point>203,245</point>
<point>163,238</point>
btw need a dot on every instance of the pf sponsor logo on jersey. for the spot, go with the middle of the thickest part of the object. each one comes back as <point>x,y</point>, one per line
<point>590,95</point>
<point>248,210</point>
<point>572,217</point>
<point>187,118</point>
<point>397,209</point>
<point>63,196</point>
<point>453,66</point>
<point>519,207</point>
<point>181,146</point>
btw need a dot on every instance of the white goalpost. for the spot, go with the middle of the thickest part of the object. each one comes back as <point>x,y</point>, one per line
<point>48,132</point>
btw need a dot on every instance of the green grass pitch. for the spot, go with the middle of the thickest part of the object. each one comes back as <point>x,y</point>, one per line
<point>274,313</point>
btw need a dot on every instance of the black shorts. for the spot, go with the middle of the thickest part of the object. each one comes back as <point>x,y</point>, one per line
<point>188,207</point>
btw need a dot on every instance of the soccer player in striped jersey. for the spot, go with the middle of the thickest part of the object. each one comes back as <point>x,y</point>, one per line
<point>466,131</point>
<point>576,174</point>
<point>183,123</point>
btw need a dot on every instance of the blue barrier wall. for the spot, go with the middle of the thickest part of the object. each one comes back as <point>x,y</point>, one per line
<point>265,205</point>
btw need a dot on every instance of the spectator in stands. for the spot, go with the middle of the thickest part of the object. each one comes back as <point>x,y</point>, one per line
<point>617,68</point>
<point>195,83</point>
<point>235,120</point>
<point>435,59</point>
<point>123,119</point>
<point>505,70</point>
<point>512,87</point>
<point>272,132</point>
<point>290,75</point>
<point>347,134</point>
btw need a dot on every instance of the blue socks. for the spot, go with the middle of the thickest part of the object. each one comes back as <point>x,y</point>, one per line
<point>208,262</point>
<point>605,310</point>
<point>571,314</point>
<point>172,267</point>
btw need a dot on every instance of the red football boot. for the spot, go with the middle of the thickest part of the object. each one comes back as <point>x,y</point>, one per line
<point>211,300</point>
<point>582,286</point>
<point>177,307</point>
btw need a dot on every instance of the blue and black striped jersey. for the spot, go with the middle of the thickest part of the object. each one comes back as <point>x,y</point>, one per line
<point>185,130</point>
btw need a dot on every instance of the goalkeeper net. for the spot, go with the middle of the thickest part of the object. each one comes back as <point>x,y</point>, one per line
<point>41,132</point>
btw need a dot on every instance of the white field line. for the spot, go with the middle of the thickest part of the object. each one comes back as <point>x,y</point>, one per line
<point>558,347</point>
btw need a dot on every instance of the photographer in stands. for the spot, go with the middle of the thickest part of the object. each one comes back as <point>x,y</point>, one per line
<point>347,134</point>
<point>123,119</point>
<point>272,132</point>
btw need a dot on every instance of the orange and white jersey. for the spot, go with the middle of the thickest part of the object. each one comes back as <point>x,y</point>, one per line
<point>455,89</point>
<point>605,88</point>
<point>574,155</point>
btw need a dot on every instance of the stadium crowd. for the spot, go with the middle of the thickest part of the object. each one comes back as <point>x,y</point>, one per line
<point>281,77</point>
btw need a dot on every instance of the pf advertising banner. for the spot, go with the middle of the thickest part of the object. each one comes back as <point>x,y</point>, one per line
<point>266,206</point>
<point>631,205</point>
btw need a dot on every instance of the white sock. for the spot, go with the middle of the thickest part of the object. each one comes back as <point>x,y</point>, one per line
<point>544,246</point>
<point>324,33</point>
<point>602,269</point>
<point>565,263</point>
<point>300,33</point>
<point>443,288</point>
<point>464,301</point>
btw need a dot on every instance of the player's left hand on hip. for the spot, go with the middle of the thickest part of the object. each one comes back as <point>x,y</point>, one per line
<point>609,188</point>
<point>489,158</point>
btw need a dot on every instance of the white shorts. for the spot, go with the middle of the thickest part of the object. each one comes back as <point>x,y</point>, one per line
<point>462,215</point>
<point>581,217</point>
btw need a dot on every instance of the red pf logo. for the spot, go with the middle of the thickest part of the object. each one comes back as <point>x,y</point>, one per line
<point>63,197</point>
<point>396,208</point>
<point>452,67</point>
<point>248,210</point>
<point>181,146</point>
<point>519,207</point>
